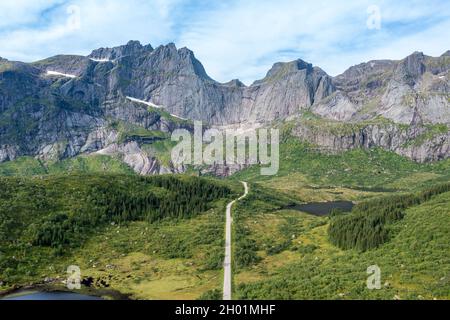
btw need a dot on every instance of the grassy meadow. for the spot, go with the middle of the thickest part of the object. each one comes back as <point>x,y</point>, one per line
<point>176,252</point>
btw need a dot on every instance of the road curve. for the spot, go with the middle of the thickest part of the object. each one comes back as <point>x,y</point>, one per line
<point>227,262</point>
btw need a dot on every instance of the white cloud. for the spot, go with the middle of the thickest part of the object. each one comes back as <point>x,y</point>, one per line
<point>252,33</point>
<point>101,24</point>
<point>247,39</point>
<point>233,39</point>
<point>13,13</point>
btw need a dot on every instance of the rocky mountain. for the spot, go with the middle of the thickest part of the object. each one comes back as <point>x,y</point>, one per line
<point>403,106</point>
<point>414,90</point>
<point>108,101</point>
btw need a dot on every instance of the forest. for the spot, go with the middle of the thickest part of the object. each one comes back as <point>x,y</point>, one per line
<point>59,211</point>
<point>368,225</point>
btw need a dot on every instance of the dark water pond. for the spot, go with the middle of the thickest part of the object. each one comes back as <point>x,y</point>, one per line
<point>323,208</point>
<point>57,295</point>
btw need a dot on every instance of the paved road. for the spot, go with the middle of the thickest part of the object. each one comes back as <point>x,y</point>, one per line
<point>227,262</point>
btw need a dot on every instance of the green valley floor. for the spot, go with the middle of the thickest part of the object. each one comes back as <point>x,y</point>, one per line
<point>177,252</point>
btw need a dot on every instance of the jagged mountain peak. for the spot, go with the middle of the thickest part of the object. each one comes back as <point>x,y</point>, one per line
<point>85,95</point>
<point>168,57</point>
<point>411,68</point>
<point>294,68</point>
<point>286,67</point>
<point>131,48</point>
<point>446,54</point>
<point>414,58</point>
<point>171,49</point>
<point>235,83</point>
<point>366,68</point>
<point>167,47</point>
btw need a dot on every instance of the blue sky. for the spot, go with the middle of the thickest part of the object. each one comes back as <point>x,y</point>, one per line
<point>233,39</point>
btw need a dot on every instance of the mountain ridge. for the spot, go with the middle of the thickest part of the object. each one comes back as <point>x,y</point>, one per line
<point>64,105</point>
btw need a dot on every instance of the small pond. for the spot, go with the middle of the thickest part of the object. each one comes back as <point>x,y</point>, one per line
<point>55,295</point>
<point>323,208</point>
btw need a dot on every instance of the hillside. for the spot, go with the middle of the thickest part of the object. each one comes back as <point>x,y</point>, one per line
<point>293,258</point>
<point>305,167</point>
<point>125,101</point>
<point>173,256</point>
<point>87,178</point>
<point>284,253</point>
<point>48,223</point>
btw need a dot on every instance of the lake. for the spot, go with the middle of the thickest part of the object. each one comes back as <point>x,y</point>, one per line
<point>56,295</point>
<point>323,208</point>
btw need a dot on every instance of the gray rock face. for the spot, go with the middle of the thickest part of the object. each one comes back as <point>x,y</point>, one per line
<point>286,89</point>
<point>175,79</point>
<point>131,48</point>
<point>405,142</point>
<point>7,153</point>
<point>411,91</point>
<point>66,105</point>
<point>140,161</point>
<point>223,170</point>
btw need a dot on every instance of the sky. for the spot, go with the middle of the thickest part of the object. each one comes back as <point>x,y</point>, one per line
<point>233,39</point>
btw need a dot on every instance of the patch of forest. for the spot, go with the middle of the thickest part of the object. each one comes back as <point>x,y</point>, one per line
<point>60,211</point>
<point>368,225</point>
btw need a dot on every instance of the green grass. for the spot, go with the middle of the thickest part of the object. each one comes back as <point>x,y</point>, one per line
<point>162,260</point>
<point>289,255</point>
<point>128,132</point>
<point>46,220</point>
<point>161,149</point>
<point>24,166</point>
<point>431,132</point>
<point>28,166</point>
<point>414,264</point>
<point>89,164</point>
<point>374,169</point>
<point>278,253</point>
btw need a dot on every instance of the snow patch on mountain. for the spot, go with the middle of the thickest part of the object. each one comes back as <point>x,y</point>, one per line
<point>100,60</point>
<point>150,104</point>
<point>175,116</point>
<point>56,73</point>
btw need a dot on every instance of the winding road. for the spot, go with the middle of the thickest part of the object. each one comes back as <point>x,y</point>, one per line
<point>227,262</point>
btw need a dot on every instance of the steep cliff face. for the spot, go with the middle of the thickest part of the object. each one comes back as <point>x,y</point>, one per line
<point>286,89</point>
<point>110,54</point>
<point>175,79</point>
<point>66,105</point>
<point>412,91</point>
<point>418,143</point>
<point>140,161</point>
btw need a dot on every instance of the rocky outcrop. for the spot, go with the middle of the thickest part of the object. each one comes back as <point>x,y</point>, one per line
<point>223,170</point>
<point>7,153</point>
<point>67,105</point>
<point>416,143</point>
<point>411,91</point>
<point>110,54</point>
<point>286,89</point>
<point>140,161</point>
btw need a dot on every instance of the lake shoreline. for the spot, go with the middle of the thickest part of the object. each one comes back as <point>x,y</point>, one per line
<point>103,293</point>
<point>322,209</point>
